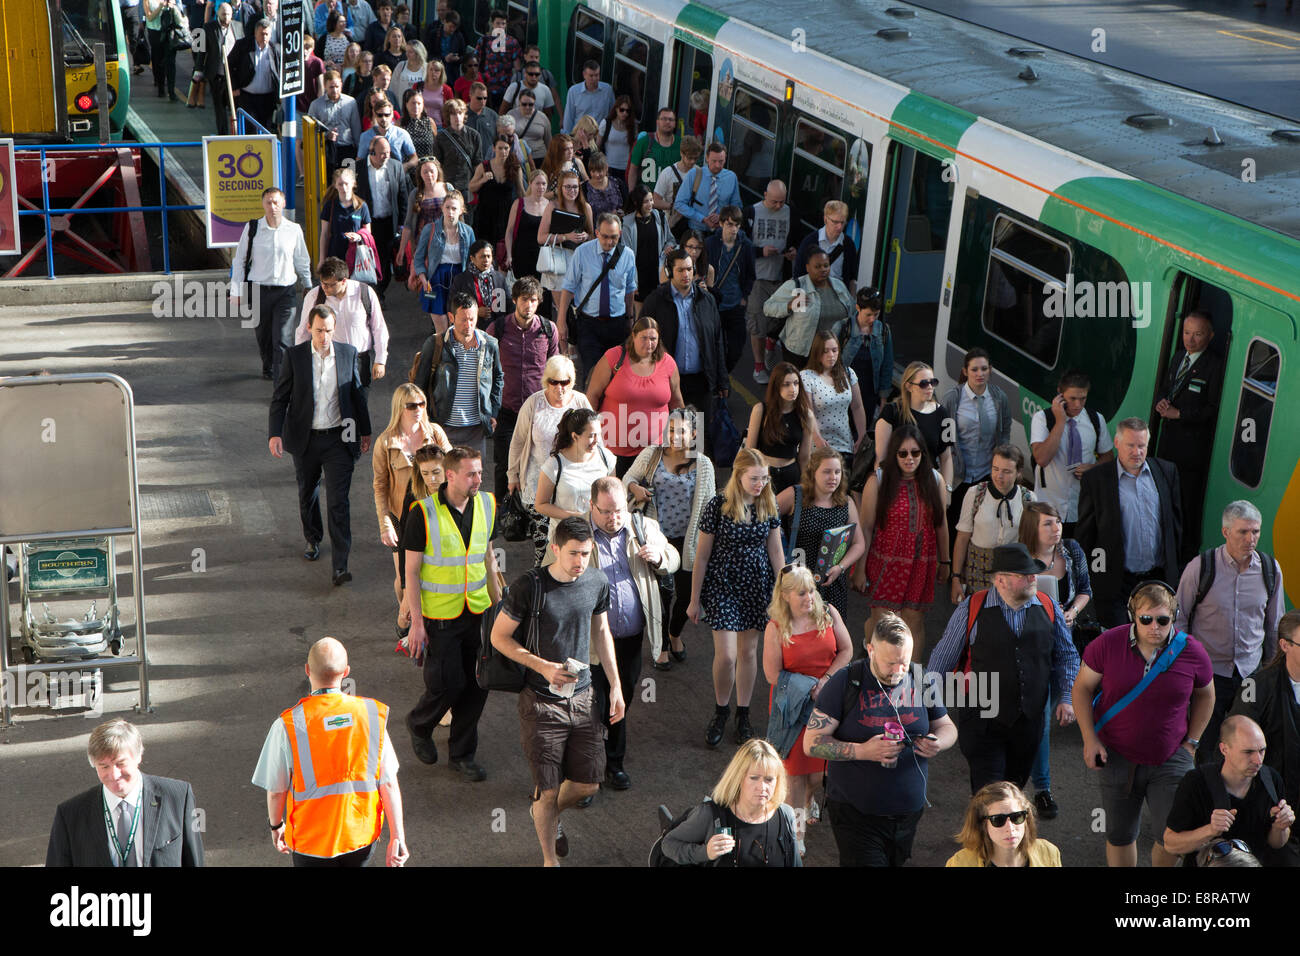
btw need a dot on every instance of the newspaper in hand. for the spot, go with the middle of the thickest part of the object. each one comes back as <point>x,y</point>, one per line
<point>574,667</point>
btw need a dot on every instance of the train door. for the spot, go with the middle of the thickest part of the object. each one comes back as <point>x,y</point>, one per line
<point>916,209</point>
<point>629,61</point>
<point>689,97</point>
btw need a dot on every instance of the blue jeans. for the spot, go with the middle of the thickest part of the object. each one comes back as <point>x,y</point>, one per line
<point>1041,774</point>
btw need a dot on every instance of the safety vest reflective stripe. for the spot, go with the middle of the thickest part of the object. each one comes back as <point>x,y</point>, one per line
<point>302,758</point>
<point>453,574</point>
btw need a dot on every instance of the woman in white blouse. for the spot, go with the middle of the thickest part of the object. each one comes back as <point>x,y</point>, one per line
<point>534,434</point>
<point>990,517</point>
<point>836,399</point>
<point>577,459</point>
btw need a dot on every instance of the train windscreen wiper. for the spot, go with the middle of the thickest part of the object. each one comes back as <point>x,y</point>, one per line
<point>75,48</point>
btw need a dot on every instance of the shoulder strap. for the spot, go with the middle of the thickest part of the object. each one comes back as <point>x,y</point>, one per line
<point>1049,605</point>
<point>1204,583</point>
<point>1095,418</point>
<point>248,253</point>
<point>972,612</point>
<point>1162,664</point>
<point>1268,567</point>
<point>981,492</point>
<point>559,466</point>
<point>835,253</point>
<point>731,265</point>
<point>605,270</point>
<point>695,187</point>
<point>852,686</point>
<point>797,516</point>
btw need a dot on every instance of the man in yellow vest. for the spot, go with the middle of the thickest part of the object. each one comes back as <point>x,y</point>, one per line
<point>451,579</point>
<point>330,773</point>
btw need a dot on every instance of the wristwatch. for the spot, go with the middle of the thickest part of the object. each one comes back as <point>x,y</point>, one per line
<point>275,826</point>
<point>1193,741</point>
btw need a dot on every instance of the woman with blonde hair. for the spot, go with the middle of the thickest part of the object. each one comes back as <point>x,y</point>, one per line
<point>586,134</point>
<point>393,461</point>
<point>427,475</point>
<point>999,830</point>
<point>745,821</point>
<point>409,74</point>
<point>736,561</point>
<point>436,90</point>
<point>804,636</point>
<point>916,405</point>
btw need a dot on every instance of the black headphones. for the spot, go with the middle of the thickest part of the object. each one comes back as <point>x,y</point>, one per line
<point>1132,614</point>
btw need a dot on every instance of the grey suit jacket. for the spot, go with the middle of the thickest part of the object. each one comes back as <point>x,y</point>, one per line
<point>168,835</point>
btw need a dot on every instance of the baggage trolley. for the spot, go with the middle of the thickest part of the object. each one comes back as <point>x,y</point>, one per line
<point>66,570</point>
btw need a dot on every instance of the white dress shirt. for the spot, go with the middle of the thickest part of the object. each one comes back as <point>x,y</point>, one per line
<point>380,207</point>
<point>350,320</point>
<point>132,800</point>
<point>324,391</point>
<point>279,256</point>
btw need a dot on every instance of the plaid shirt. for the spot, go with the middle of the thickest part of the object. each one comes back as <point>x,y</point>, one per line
<point>497,66</point>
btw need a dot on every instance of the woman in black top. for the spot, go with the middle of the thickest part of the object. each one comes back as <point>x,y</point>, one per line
<point>417,124</point>
<point>646,233</point>
<point>782,427</point>
<point>496,182</point>
<point>915,405</point>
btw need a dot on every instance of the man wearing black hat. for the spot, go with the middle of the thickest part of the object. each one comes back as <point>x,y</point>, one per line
<point>1012,641</point>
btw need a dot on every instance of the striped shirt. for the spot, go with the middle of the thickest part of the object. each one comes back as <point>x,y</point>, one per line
<point>464,407</point>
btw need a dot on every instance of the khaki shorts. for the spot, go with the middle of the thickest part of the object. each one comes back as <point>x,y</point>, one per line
<point>562,739</point>
<point>755,321</point>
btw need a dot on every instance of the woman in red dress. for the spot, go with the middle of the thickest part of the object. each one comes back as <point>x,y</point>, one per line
<point>906,533</point>
<point>806,636</point>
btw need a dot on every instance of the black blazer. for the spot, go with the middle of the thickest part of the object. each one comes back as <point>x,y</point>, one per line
<point>212,64</point>
<point>242,69</point>
<point>660,306</point>
<point>1187,439</point>
<point>399,190</point>
<point>1102,526</point>
<point>293,403</point>
<point>168,835</point>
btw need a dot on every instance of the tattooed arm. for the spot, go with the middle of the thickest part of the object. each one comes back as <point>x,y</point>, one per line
<point>819,741</point>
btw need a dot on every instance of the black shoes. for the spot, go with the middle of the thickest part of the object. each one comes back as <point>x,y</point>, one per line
<point>744,729</point>
<point>678,656</point>
<point>662,665</point>
<point>585,802</point>
<point>342,576</point>
<point>313,551</point>
<point>618,780</point>
<point>470,769</point>
<point>713,735</point>
<point>425,749</point>
<point>1047,808</point>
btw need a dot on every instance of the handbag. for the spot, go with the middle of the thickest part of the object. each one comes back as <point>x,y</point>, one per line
<point>553,264</point>
<point>724,437</point>
<point>864,461</point>
<point>176,29</point>
<point>512,519</point>
<point>493,670</point>
<point>365,268</point>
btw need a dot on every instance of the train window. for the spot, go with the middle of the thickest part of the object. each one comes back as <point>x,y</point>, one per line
<point>588,42</point>
<point>929,207</point>
<point>752,142</point>
<point>816,169</point>
<point>1255,412</point>
<point>482,9</point>
<point>521,21</point>
<point>1024,267</point>
<point>631,56</point>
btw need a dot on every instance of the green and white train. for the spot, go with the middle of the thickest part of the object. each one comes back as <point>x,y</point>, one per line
<point>1054,211</point>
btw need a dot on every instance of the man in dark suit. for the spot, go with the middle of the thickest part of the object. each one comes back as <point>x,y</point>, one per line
<point>317,414</point>
<point>1189,405</point>
<point>385,187</point>
<point>218,35</point>
<point>255,75</point>
<point>1133,512</point>
<point>132,818</point>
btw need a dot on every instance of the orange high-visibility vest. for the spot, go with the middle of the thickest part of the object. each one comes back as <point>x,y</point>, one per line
<point>337,742</point>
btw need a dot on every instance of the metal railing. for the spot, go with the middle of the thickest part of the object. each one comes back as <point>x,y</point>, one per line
<point>48,214</point>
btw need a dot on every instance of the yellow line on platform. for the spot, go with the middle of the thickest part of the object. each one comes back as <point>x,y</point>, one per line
<point>1239,36</point>
<point>743,392</point>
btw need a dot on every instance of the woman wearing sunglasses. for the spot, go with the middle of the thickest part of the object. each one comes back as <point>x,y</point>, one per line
<point>905,531</point>
<point>393,459</point>
<point>1143,750</point>
<point>915,405</point>
<point>999,831</point>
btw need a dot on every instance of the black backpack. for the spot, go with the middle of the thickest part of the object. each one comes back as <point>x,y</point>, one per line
<point>493,670</point>
<point>1267,567</point>
<point>1050,414</point>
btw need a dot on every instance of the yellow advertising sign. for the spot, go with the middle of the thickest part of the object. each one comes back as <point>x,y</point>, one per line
<point>236,171</point>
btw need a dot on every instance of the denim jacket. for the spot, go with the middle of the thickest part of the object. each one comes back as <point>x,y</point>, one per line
<point>439,382</point>
<point>849,334</point>
<point>792,705</point>
<point>428,252</point>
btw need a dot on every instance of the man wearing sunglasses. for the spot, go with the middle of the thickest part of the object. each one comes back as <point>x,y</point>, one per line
<point>1142,749</point>
<point>530,79</point>
<point>1018,647</point>
<point>1238,799</point>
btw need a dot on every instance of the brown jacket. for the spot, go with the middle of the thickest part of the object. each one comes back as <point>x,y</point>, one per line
<point>393,473</point>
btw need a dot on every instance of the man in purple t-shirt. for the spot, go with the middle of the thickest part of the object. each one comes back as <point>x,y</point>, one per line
<point>1143,751</point>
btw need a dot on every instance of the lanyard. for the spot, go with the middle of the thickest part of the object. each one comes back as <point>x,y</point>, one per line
<point>112,830</point>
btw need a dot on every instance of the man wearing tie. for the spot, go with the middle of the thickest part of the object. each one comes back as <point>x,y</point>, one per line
<point>1067,439</point>
<point>1189,407</point>
<point>707,189</point>
<point>317,412</point>
<point>602,273</point>
<point>132,818</point>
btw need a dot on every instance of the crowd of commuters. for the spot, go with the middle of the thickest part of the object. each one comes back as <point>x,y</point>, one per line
<point>632,253</point>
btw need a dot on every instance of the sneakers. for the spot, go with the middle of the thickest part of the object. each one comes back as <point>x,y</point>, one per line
<point>772,353</point>
<point>814,811</point>
<point>713,734</point>
<point>761,375</point>
<point>1047,808</point>
<point>561,841</point>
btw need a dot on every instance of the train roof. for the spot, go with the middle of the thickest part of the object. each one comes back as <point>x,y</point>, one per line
<point>1076,105</point>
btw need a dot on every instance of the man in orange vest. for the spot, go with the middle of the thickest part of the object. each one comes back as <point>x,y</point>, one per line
<point>330,773</point>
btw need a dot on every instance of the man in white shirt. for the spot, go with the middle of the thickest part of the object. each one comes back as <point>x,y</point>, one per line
<point>319,417</point>
<point>359,319</point>
<point>255,67</point>
<point>386,190</point>
<point>1073,441</point>
<point>269,269</point>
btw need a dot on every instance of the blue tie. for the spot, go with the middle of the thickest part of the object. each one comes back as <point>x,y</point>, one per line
<point>604,288</point>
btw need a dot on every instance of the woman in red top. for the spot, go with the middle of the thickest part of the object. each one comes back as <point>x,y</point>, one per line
<point>806,636</point>
<point>905,529</point>
<point>634,387</point>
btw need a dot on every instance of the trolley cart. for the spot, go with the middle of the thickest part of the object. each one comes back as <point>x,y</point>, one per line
<point>68,570</point>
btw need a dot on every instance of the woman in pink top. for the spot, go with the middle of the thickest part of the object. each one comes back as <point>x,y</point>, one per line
<point>634,386</point>
<point>436,91</point>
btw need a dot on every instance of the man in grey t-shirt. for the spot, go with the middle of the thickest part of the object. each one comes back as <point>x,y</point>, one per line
<point>773,227</point>
<point>561,733</point>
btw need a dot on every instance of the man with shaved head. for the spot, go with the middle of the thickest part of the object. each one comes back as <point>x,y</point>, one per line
<point>1239,800</point>
<point>775,229</point>
<point>329,772</point>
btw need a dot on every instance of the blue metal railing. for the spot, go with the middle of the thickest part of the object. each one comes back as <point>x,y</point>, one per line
<point>47,213</point>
